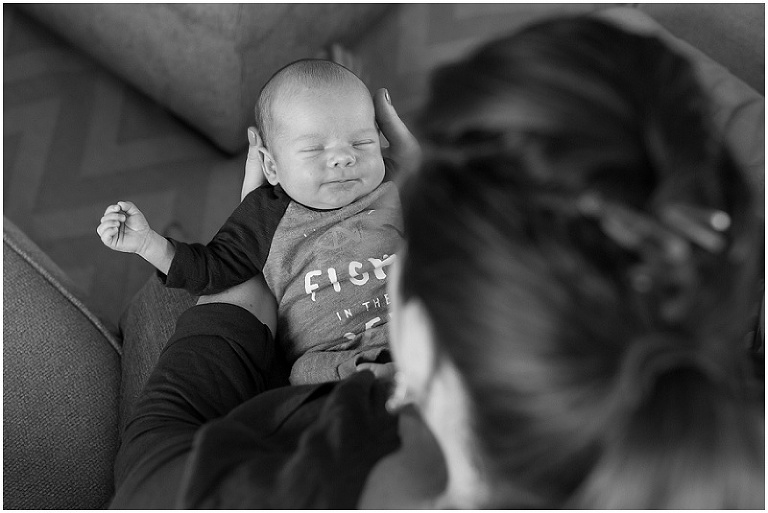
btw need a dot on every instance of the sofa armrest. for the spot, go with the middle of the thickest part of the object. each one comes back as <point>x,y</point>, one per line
<point>61,376</point>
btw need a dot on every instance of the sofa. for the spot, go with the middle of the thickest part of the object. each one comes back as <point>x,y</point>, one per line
<point>70,378</point>
<point>194,58</point>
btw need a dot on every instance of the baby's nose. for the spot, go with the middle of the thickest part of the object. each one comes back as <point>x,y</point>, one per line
<point>341,159</point>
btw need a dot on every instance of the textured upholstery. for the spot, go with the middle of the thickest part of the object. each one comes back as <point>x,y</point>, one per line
<point>146,325</point>
<point>61,370</point>
<point>206,62</point>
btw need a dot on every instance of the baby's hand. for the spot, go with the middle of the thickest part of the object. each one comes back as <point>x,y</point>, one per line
<point>124,228</point>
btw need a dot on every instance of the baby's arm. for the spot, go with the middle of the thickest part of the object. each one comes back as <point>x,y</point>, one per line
<point>124,228</point>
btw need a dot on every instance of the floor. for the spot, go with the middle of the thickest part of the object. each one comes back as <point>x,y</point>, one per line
<point>76,138</point>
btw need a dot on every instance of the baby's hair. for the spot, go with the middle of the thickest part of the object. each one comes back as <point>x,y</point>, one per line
<point>605,370</point>
<point>307,72</point>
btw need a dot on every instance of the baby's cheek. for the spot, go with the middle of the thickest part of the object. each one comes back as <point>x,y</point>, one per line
<point>376,165</point>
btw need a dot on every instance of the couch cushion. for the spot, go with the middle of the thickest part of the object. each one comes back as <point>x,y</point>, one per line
<point>61,376</point>
<point>206,62</point>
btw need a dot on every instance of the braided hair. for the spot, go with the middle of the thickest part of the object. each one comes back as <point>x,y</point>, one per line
<point>587,251</point>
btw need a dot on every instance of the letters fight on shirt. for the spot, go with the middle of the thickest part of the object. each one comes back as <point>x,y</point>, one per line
<point>328,272</point>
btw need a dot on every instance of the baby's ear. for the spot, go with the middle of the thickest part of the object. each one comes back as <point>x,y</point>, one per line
<point>270,167</point>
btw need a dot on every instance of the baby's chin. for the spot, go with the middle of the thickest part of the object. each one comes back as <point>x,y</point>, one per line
<point>339,194</point>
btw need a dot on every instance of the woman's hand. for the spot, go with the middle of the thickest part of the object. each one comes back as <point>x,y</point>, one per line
<point>404,152</point>
<point>254,164</point>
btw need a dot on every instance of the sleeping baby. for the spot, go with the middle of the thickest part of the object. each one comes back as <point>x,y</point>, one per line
<point>323,230</point>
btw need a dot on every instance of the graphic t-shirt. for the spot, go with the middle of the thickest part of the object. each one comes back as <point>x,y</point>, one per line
<point>327,270</point>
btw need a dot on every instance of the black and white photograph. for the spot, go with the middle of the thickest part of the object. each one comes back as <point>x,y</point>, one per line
<point>384,256</point>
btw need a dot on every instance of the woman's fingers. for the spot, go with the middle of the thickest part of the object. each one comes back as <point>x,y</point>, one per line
<point>404,149</point>
<point>254,139</point>
<point>254,143</point>
<point>254,167</point>
<point>390,123</point>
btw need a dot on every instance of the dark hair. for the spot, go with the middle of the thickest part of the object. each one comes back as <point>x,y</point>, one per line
<point>600,340</point>
<point>313,72</point>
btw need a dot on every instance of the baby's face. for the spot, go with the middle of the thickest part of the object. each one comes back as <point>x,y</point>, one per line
<point>325,149</point>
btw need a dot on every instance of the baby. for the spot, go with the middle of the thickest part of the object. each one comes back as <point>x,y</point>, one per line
<point>322,231</point>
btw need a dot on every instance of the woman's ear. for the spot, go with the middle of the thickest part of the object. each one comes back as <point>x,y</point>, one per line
<point>270,167</point>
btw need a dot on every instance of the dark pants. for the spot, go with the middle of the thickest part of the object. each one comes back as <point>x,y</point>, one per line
<point>219,357</point>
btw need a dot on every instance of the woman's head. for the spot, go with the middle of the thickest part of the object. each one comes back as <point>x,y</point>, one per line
<point>583,246</point>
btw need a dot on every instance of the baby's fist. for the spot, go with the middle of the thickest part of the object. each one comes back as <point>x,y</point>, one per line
<point>123,227</point>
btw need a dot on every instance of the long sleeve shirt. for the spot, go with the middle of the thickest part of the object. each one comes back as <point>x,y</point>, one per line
<point>326,268</point>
